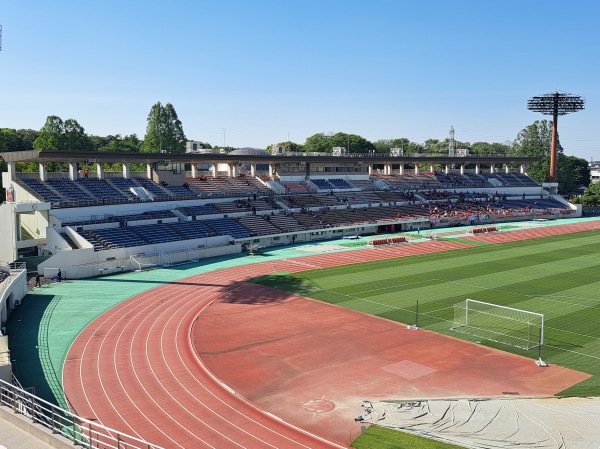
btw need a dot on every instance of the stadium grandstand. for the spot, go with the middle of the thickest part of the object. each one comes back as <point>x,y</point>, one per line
<point>192,206</point>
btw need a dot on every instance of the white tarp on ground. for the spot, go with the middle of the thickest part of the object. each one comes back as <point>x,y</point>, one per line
<point>568,423</point>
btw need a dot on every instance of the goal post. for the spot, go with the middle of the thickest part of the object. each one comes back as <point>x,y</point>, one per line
<point>501,324</point>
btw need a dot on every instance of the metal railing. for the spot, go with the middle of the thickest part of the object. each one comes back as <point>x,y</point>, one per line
<point>80,431</point>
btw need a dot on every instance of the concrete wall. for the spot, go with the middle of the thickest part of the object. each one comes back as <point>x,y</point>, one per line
<point>55,242</point>
<point>85,262</point>
<point>5,365</point>
<point>34,430</point>
<point>8,248</point>
<point>12,292</point>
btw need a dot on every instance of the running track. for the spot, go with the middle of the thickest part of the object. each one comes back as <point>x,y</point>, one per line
<point>134,368</point>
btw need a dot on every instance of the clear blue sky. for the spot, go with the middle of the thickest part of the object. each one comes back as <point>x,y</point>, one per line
<point>262,69</point>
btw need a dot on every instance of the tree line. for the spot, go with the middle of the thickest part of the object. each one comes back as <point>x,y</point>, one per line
<point>164,133</point>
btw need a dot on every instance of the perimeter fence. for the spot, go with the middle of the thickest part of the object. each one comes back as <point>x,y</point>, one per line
<point>80,431</point>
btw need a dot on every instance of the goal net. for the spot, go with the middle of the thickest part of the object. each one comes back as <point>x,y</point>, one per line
<point>500,324</point>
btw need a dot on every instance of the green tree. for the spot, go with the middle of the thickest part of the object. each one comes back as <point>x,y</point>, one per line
<point>385,145</point>
<point>132,143</point>
<point>435,146</point>
<point>431,145</point>
<point>60,135</point>
<point>351,142</point>
<point>118,144</point>
<point>536,141</point>
<point>287,146</point>
<point>591,196</point>
<point>571,173</point>
<point>98,142</point>
<point>51,135</point>
<point>27,136</point>
<point>413,148</point>
<point>483,148</point>
<point>318,143</point>
<point>164,131</point>
<point>9,140</point>
<point>75,138</point>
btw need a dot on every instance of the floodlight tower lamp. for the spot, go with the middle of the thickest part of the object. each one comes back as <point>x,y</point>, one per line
<point>555,104</point>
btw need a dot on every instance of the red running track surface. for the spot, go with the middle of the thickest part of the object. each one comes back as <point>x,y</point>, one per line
<point>134,368</point>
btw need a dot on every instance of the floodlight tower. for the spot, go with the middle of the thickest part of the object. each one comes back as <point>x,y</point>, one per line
<point>555,104</point>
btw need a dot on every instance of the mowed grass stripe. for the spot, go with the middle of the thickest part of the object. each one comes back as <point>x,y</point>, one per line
<point>556,276</point>
<point>495,258</point>
<point>557,279</point>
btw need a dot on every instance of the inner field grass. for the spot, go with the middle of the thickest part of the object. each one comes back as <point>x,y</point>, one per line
<point>556,276</point>
<point>381,438</point>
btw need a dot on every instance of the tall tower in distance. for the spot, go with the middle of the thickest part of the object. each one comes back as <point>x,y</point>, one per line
<point>451,143</point>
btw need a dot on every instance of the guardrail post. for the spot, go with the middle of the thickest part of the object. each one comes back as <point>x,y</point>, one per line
<point>33,408</point>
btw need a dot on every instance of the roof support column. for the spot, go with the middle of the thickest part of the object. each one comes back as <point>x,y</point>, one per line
<point>43,172</point>
<point>492,168</point>
<point>100,170</point>
<point>214,170</point>
<point>370,167</point>
<point>506,168</point>
<point>12,170</point>
<point>126,170</point>
<point>431,168</point>
<point>149,171</point>
<point>477,168</point>
<point>73,174</point>
<point>447,168</point>
<point>462,169</point>
<point>253,169</point>
<point>416,169</point>
<point>194,170</point>
<point>401,169</point>
<point>522,169</point>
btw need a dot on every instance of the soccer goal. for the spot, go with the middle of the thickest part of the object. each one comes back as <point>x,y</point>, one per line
<point>514,327</point>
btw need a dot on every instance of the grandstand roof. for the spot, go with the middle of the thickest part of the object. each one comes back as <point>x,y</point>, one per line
<point>248,151</point>
<point>253,156</point>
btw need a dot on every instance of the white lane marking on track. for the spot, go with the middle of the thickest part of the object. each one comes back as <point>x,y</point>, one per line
<point>96,355</point>
<point>172,311</point>
<point>140,384</point>
<point>127,312</point>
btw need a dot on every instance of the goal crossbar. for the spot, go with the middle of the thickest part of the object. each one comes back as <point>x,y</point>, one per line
<point>502,324</point>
